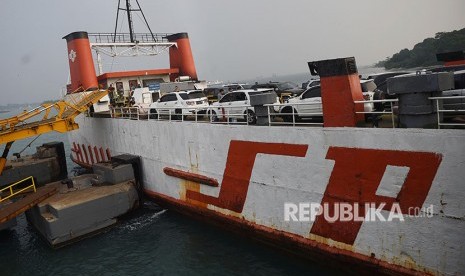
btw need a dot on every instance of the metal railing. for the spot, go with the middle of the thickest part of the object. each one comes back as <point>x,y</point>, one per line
<point>126,113</point>
<point>294,118</point>
<point>390,112</point>
<point>125,37</point>
<point>224,115</point>
<point>228,115</point>
<point>441,111</point>
<point>13,193</point>
<point>181,114</point>
<point>292,115</point>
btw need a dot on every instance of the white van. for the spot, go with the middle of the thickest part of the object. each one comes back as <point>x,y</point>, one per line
<point>143,98</point>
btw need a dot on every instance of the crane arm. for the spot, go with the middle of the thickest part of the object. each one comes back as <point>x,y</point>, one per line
<point>22,126</point>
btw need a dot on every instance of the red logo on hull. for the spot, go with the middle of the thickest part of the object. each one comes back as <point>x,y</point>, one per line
<point>355,179</point>
<point>236,176</point>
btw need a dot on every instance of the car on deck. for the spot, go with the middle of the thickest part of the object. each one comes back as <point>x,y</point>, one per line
<point>284,90</point>
<point>308,84</point>
<point>308,105</point>
<point>236,105</point>
<point>180,103</point>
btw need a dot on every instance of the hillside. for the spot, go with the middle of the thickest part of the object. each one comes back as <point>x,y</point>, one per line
<point>424,54</point>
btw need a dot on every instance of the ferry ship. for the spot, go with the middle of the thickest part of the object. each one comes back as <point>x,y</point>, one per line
<point>405,185</point>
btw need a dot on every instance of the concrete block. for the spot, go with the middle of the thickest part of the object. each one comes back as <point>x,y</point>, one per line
<point>73,214</point>
<point>43,170</point>
<point>261,111</point>
<point>415,99</point>
<point>262,115</point>
<point>416,121</point>
<point>421,83</point>
<point>415,109</point>
<point>262,98</point>
<point>112,175</point>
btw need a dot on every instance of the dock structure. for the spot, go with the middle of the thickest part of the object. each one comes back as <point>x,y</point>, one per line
<point>86,205</point>
<point>67,210</point>
<point>28,124</point>
<point>12,210</point>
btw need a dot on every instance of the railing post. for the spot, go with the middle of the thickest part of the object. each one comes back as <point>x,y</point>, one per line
<point>293,116</point>
<point>269,116</point>
<point>392,116</point>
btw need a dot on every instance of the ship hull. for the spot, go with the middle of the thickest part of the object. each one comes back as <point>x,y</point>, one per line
<point>245,176</point>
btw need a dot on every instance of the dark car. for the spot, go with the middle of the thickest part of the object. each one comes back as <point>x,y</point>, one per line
<point>283,89</point>
<point>381,92</point>
<point>381,79</point>
<point>212,92</point>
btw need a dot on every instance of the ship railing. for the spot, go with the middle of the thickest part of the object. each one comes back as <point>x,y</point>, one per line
<point>377,115</point>
<point>132,113</point>
<point>126,37</point>
<point>199,115</point>
<point>287,114</point>
<point>168,114</point>
<point>228,115</point>
<point>235,115</point>
<point>455,121</point>
<point>231,115</point>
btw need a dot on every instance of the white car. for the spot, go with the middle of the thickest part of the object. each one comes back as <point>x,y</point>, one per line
<point>308,104</point>
<point>368,91</point>
<point>236,104</point>
<point>309,84</point>
<point>180,103</point>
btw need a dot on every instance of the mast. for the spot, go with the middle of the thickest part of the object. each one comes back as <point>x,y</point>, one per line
<point>129,11</point>
<point>131,27</point>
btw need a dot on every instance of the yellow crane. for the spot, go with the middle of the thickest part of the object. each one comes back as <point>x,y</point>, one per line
<point>58,116</point>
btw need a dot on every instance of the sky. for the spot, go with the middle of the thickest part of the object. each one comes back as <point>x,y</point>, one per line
<point>231,40</point>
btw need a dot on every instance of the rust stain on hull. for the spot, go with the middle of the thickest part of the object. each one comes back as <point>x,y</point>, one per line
<point>308,248</point>
<point>190,186</point>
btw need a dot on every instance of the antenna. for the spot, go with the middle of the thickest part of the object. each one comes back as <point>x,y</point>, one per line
<point>129,11</point>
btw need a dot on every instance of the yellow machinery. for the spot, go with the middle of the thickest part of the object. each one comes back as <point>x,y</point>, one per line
<point>40,120</point>
<point>11,192</point>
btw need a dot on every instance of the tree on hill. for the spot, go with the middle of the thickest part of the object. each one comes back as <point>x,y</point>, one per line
<point>424,54</point>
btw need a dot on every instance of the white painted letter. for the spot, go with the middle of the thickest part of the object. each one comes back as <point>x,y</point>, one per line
<point>304,211</point>
<point>290,211</point>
